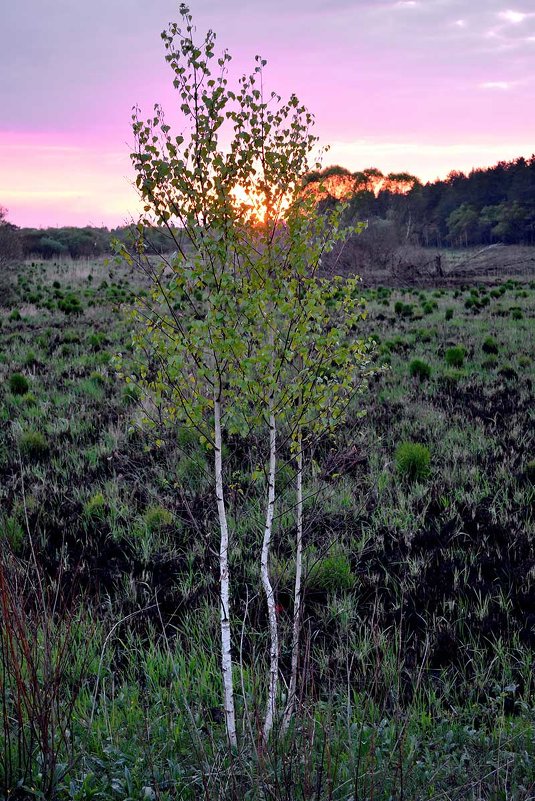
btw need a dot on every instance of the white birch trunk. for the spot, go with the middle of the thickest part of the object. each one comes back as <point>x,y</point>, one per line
<point>292,689</point>
<point>268,588</point>
<point>226,656</point>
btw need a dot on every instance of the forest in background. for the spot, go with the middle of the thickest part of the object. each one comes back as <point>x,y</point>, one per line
<point>487,206</point>
<point>491,205</point>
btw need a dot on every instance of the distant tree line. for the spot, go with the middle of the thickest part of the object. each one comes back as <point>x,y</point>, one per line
<point>71,242</point>
<point>490,205</point>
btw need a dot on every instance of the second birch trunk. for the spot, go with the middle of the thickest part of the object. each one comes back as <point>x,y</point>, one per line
<point>226,654</point>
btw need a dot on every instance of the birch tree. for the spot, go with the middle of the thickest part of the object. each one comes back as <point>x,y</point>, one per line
<point>238,333</point>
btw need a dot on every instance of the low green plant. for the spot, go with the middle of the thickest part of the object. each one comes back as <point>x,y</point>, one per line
<point>455,356</point>
<point>33,444</point>
<point>97,378</point>
<point>331,573</point>
<point>420,370</point>
<point>96,507</point>
<point>19,384</point>
<point>448,314</point>
<point>15,316</point>
<point>70,304</point>
<point>413,461</point>
<point>157,518</point>
<point>508,372</point>
<point>12,531</point>
<point>490,345</point>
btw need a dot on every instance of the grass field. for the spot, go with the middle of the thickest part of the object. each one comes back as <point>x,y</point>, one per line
<point>420,549</point>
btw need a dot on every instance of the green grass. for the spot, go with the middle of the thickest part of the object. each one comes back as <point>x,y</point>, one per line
<point>417,643</point>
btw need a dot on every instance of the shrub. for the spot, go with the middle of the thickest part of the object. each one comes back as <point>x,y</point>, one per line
<point>516,314</point>
<point>15,315</point>
<point>490,363</point>
<point>398,306</point>
<point>449,313</point>
<point>420,370</point>
<point>524,361</point>
<point>332,573</point>
<point>157,517</point>
<point>33,444</point>
<point>19,384</point>
<point>455,356</point>
<point>490,345</point>
<point>413,461</point>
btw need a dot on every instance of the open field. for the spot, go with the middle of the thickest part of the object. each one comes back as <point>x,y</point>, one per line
<point>420,593</point>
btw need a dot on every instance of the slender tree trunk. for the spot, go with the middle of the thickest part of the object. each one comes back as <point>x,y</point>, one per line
<point>226,656</point>
<point>266,583</point>
<point>292,690</point>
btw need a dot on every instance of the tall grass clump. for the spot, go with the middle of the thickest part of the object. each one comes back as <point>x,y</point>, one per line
<point>455,356</point>
<point>413,461</point>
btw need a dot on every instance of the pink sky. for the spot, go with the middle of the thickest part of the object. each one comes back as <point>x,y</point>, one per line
<point>425,86</point>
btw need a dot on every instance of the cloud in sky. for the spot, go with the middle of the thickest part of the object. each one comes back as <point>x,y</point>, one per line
<point>503,85</point>
<point>402,71</point>
<point>515,17</point>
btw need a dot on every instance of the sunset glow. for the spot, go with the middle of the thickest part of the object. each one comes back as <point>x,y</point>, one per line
<point>418,87</point>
